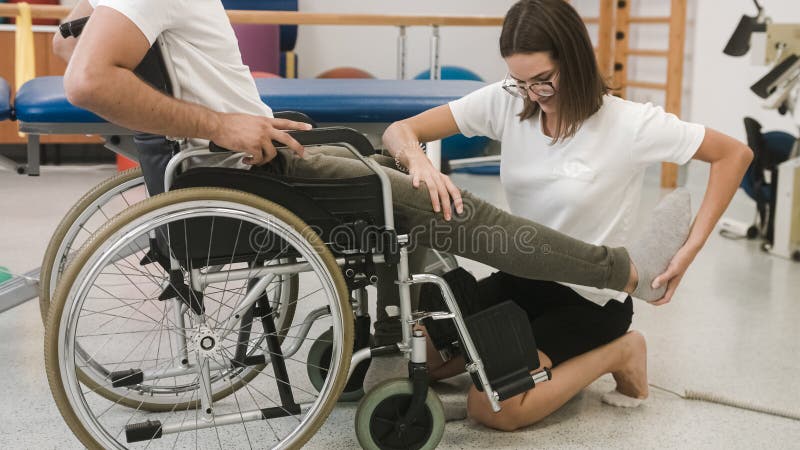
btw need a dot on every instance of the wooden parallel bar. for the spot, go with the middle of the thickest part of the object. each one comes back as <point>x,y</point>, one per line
<point>677,38</point>
<point>297,18</point>
<point>620,78</point>
<point>651,20</point>
<point>646,85</point>
<point>647,52</point>
<point>303,18</point>
<point>300,18</point>
<point>605,38</point>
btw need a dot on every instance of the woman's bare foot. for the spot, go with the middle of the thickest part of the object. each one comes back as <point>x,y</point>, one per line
<point>631,377</point>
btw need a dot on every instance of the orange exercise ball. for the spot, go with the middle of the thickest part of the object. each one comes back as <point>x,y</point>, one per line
<point>345,72</point>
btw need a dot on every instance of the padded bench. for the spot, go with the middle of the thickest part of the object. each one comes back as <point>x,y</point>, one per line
<point>369,105</point>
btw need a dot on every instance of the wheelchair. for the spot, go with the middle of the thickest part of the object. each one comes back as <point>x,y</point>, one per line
<point>231,311</point>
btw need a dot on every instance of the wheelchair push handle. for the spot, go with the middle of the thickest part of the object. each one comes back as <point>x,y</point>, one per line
<point>73,28</point>
<point>322,136</point>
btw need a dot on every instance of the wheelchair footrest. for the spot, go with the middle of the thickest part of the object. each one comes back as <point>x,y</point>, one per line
<point>443,333</point>
<point>504,340</point>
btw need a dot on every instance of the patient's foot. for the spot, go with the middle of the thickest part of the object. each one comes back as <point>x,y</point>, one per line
<point>631,376</point>
<point>665,233</point>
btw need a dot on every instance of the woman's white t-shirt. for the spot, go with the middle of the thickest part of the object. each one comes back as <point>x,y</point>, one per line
<point>588,186</point>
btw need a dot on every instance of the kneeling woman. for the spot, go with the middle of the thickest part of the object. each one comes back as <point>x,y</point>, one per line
<point>573,158</point>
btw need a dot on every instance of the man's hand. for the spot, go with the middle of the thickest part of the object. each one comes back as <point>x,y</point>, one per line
<point>674,273</point>
<point>254,135</point>
<point>440,186</point>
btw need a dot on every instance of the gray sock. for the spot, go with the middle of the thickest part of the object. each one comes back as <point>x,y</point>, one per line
<point>665,233</point>
<point>384,368</point>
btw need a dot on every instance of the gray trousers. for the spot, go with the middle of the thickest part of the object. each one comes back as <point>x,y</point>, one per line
<point>483,233</point>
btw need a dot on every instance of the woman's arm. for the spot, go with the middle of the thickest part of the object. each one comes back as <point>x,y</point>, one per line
<point>64,47</point>
<point>402,140</point>
<point>729,160</point>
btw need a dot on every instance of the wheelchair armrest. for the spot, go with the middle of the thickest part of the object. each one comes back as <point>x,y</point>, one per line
<point>296,116</point>
<point>356,141</point>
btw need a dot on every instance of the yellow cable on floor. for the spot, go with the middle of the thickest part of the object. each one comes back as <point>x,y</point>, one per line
<point>25,57</point>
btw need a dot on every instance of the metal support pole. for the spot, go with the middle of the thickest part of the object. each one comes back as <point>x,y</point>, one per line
<point>434,149</point>
<point>436,68</point>
<point>401,53</point>
<point>32,168</point>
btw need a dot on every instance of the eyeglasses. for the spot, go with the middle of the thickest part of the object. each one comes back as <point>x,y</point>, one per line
<point>521,90</point>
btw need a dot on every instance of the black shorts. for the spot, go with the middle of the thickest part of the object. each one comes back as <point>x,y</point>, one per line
<point>564,323</point>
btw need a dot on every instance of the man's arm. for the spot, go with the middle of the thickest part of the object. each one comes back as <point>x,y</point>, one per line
<point>100,78</point>
<point>63,48</point>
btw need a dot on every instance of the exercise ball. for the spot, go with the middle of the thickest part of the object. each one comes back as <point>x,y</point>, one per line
<point>345,72</point>
<point>451,73</point>
<point>458,146</point>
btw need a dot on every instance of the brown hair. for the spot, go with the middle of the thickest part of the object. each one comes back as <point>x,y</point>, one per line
<point>553,26</point>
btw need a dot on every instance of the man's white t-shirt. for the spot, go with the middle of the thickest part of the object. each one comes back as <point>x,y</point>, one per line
<point>588,186</point>
<point>203,50</point>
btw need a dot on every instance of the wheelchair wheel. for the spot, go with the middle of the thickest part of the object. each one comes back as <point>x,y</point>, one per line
<point>203,350</point>
<point>319,360</point>
<point>92,211</point>
<point>381,410</point>
<point>95,208</point>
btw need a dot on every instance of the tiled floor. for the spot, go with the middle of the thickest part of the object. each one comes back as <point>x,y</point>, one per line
<point>733,329</point>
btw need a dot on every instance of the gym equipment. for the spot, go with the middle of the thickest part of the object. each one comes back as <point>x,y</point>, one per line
<point>287,39</point>
<point>760,181</point>
<point>451,73</point>
<point>346,73</point>
<point>5,100</point>
<point>259,46</point>
<point>459,146</point>
<point>772,178</point>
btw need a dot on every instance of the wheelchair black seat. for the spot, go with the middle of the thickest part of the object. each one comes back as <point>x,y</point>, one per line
<point>346,213</point>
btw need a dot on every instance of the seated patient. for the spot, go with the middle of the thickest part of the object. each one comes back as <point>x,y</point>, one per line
<point>219,102</point>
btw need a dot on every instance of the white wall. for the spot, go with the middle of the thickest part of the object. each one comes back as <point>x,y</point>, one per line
<point>721,83</point>
<point>716,86</point>
<point>373,48</point>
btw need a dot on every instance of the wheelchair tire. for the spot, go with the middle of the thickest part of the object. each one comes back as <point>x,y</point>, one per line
<point>387,402</point>
<point>319,359</point>
<point>63,317</point>
<point>55,259</point>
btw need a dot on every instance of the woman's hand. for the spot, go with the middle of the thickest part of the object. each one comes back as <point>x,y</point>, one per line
<point>674,273</point>
<point>440,187</point>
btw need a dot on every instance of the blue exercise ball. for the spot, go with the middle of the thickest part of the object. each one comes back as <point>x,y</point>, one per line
<point>451,73</point>
<point>459,146</point>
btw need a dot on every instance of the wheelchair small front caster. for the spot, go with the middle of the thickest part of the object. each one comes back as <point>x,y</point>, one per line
<point>319,359</point>
<point>380,418</point>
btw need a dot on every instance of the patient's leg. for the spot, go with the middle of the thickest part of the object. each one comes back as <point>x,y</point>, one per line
<point>483,232</point>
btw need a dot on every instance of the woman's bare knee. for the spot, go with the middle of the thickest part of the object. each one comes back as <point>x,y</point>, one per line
<point>510,417</point>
